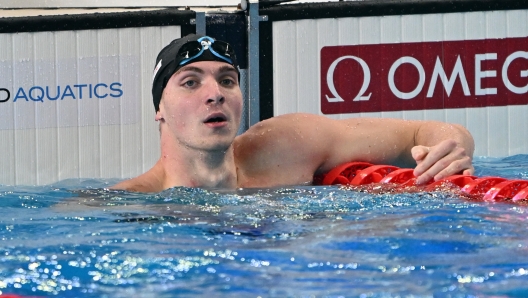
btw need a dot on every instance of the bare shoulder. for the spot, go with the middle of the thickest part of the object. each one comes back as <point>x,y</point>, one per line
<point>285,124</point>
<point>151,181</point>
<point>278,133</point>
<point>286,149</point>
<point>303,129</point>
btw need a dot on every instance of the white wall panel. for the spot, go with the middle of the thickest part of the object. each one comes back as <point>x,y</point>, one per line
<point>475,28</point>
<point>498,131</point>
<point>46,138</point>
<point>7,115</point>
<point>517,25</point>
<point>24,137</point>
<point>95,135</point>
<point>498,127</point>
<point>371,33</point>
<point>310,68</point>
<point>415,26</point>
<point>329,32</point>
<point>285,70</point>
<point>453,25</point>
<point>88,156</point>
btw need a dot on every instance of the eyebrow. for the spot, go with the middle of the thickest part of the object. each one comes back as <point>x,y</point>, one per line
<point>225,68</point>
<point>190,68</point>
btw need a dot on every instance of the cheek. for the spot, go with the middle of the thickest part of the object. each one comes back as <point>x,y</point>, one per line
<point>239,105</point>
<point>178,108</point>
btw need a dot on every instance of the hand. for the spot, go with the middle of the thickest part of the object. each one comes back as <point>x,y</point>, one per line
<point>440,161</point>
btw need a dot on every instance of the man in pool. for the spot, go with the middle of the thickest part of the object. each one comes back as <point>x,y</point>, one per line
<point>198,104</point>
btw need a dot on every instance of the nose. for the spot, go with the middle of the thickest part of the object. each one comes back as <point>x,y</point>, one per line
<point>215,94</point>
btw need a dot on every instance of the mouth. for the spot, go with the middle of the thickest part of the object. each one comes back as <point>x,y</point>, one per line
<point>216,118</point>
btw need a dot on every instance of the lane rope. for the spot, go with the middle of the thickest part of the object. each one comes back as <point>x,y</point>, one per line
<point>490,189</point>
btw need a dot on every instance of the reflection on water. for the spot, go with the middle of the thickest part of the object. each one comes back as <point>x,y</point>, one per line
<point>75,239</point>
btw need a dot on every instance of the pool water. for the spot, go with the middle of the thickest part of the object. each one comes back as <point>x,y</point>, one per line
<point>75,239</point>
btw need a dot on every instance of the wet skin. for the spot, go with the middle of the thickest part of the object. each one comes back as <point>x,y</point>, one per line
<point>200,112</point>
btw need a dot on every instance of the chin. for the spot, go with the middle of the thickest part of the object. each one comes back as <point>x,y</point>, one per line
<point>220,145</point>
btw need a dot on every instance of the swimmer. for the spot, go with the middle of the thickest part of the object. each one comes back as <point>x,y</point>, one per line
<point>198,104</point>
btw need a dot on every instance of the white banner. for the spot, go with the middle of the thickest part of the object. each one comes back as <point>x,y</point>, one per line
<point>84,91</point>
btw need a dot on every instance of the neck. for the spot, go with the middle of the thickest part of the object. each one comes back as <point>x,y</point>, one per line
<point>189,167</point>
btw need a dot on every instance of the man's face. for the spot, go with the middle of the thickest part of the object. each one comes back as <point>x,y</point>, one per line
<point>202,105</point>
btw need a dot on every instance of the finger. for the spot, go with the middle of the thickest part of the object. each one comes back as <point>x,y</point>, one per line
<point>469,171</point>
<point>436,154</point>
<point>446,167</point>
<point>419,152</point>
<point>425,164</point>
<point>454,169</point>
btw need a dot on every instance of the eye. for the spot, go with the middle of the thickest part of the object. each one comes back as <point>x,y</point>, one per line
<point>190,83</point>
<point>227,82</point>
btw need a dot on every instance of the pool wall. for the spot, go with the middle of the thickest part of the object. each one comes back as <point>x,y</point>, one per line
<point>75,99</point>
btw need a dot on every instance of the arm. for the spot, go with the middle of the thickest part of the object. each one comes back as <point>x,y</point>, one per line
<point>299,145</point>
<point>437,149</point>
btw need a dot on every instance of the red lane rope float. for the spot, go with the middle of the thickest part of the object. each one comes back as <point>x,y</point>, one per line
<point>491,189</point>
<point>342,174</point>
<point>372,174</point>
<point>505,190</point>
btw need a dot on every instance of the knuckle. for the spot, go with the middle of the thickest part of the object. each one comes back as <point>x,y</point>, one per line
<point>443,163</point>
<point>462,164</point>
<point>461,151</point>
<point>451,143</point>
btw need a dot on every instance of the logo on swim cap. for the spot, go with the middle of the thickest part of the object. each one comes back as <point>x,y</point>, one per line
<point>156,70</point>
<point>206,44</point>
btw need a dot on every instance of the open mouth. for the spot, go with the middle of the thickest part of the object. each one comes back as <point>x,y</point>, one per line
<point>216,119</point>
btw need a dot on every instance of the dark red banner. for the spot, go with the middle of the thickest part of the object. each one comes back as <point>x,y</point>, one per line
<point>425,75</point>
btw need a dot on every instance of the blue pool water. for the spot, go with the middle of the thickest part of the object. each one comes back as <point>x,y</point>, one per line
<point>75,239</point>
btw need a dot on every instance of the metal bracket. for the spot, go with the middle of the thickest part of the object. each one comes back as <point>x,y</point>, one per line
<point>253,61</point>
<point>199,22</point>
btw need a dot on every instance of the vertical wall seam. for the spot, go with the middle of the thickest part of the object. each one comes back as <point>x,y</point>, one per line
<point>319,48</point>
<point>297,65</point>
<point>121,129</point>
<point>79,162</point>
<point>57,130</point>
<point>402,113</point>
<point>15,174</point>
<point>140,75</point>
<point>99,127</point>
<point>37,154</point>
<point>444,37</point>
<point>423,113</point>
<point>141,124</point>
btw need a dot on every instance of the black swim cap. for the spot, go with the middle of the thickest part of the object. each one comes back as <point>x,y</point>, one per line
<point>170,59</point>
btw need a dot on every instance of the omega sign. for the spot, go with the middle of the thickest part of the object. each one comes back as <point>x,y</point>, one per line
<point>427,75</point>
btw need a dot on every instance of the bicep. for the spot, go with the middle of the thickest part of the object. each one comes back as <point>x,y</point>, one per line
<point>374,140</point>
<point>312,144</point>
